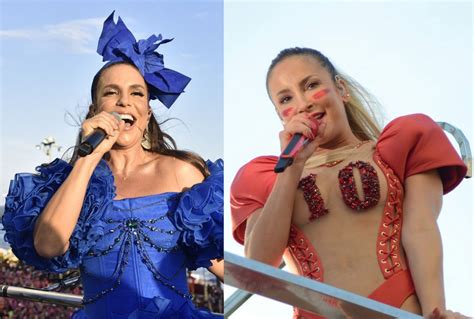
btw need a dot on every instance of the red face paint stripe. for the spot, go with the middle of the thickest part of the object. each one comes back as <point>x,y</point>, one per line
<point>287,111</point>
<point>320,94</point>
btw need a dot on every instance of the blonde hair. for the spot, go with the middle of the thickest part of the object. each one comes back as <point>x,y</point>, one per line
<point>363,110</point>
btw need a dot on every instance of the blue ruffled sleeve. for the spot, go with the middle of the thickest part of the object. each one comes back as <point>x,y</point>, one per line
<point>29,194</point>
<point>199,216</point>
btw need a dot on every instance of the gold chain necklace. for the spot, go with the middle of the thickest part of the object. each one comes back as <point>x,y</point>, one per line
<point>333,157</point>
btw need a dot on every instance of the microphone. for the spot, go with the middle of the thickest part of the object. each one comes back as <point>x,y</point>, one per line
<point>297,142</point>
<point>94,139</point>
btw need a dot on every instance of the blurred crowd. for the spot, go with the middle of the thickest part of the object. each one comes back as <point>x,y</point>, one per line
<point>207,292</point>
<point>15,273</point>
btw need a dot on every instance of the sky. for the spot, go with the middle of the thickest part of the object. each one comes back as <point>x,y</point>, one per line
<point>48,60</point>
<point>415,57</point>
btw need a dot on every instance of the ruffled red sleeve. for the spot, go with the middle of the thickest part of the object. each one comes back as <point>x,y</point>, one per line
<point>413,144</point>
<point>249,191</point>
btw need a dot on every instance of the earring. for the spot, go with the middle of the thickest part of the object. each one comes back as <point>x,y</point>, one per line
<point>146,142</point>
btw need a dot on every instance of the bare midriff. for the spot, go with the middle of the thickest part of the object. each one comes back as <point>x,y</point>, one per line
<point>351,246</point>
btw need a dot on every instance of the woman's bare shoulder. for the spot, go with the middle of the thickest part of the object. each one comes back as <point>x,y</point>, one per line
<point>185,174</point>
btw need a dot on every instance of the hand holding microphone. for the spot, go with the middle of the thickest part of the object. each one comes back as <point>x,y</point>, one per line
<point>309,128</point>
<point>101,133</point>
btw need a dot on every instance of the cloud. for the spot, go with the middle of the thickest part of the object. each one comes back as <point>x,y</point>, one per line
<point>78,36</point>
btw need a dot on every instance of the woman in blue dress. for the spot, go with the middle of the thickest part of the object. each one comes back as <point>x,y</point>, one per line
<point>136,213</point>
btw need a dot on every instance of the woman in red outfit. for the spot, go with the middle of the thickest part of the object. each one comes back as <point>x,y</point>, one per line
<point>336,214</point>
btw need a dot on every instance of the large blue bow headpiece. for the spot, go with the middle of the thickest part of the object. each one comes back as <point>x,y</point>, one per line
<point>117,43</point>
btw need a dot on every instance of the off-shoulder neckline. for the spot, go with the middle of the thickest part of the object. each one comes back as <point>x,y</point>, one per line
<point>109,171</point>
<point>145,196</point>
<point>103,169</point>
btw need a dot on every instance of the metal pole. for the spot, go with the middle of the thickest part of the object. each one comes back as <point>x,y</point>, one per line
<point>41,296</point>
<point>235,300</point>
<point>238,298</point>
<point>303,292</point>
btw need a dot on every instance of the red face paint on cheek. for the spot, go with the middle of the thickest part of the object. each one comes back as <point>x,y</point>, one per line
<point>287,112</point>
<point>320,94</point>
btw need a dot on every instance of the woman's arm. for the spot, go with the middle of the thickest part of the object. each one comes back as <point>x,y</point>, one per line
<point>217,268</point>
<point>267,230</point>
<point>57,221</point>
<point>421,238</point>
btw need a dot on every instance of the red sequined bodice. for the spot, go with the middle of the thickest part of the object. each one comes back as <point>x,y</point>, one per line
<point>388,236</point>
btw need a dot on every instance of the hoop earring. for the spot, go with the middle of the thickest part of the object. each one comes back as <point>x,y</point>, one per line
<point>146,141</point>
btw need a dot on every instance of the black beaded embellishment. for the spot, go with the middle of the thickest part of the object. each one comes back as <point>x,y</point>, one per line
<point>131,231</point>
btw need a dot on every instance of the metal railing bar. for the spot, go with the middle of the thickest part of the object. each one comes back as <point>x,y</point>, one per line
<point>302,292</point>
<point>41,296</point>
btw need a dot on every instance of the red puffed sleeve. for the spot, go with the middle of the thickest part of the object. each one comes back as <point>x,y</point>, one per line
<point>249,191</point>
<point>413,144</point>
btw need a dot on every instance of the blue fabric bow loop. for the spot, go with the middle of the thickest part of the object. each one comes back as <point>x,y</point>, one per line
<point>117,44</point>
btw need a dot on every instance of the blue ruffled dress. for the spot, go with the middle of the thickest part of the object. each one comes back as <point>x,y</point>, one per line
<point>132,253</point>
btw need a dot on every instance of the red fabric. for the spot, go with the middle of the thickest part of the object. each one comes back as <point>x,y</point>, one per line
<point>393,292</point>
<point>410,145</point>
<point>251,187</point>
<point>396,290</point>
<point>413,144</point>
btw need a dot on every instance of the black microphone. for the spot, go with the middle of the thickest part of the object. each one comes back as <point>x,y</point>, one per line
<point>94,139</point>
<point>297,142</point>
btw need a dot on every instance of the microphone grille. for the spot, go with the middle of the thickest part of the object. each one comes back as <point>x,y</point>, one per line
<point>117,116</point>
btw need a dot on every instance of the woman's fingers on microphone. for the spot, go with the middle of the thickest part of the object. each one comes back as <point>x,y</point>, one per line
<point>301,128</point>
<point>106,126</point>
<point>117,131</point>
<point>303,125</point>
<point>97,122</point>
<point>121,126</point>
<point>112,119</point>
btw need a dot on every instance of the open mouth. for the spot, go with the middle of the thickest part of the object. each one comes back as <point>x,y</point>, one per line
<point>128,119</point>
